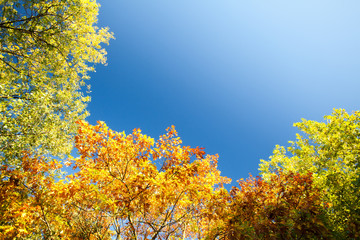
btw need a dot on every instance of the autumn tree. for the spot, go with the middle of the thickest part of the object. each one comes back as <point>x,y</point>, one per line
<point>330,150</point>
<point>124,187</point>
<point>288,206</point>
<point>47,49</point>
<point>33,205</point>
<point>29,208</point>
<point>146,190</point>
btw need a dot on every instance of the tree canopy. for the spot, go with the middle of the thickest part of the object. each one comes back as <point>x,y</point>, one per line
<point>288,206</point>
<point>329,150</point>
<point>125,187</point>
<point>47,49</point>
<point>129,186</point>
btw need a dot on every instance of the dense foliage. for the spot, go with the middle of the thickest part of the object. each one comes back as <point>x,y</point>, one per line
<point>288,206</point>
<point>125,187</point>
<point>131,186</point>
<point>330,150</point>
<point>46,48</point>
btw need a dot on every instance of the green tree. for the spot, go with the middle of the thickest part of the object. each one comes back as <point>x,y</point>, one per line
<point>330,150</point>
<point>47,48</point>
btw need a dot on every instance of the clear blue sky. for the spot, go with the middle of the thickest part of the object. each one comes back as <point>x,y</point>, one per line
<point>232,76</point>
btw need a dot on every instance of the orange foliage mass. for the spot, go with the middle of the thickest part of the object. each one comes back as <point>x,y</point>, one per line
<point>287,206</point>
<point>131,187</point>
<point>124,187</point>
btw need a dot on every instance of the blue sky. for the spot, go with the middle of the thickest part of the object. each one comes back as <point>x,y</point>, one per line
<point>232,76</point>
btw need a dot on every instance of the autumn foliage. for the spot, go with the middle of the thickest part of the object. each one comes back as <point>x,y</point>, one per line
<point>286,207</point>
<point>29,205</point>
<point>329,150</point>
<point>133,187</point>
<point>129,186</point>
<point>124,187</point>
<point>144,188</point>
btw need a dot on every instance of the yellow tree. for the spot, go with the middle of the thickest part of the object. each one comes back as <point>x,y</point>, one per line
<point>29,207</point>
<point>142,190</point>
<point>33,205</point>
<point>47,47</point>
<point>124,187</point>
<point>330,150</point>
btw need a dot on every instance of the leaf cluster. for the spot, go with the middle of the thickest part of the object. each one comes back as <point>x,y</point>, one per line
<point>288,206</point>
<point>47,49</point>
<point>329,150</point>
<point>125,187</point>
